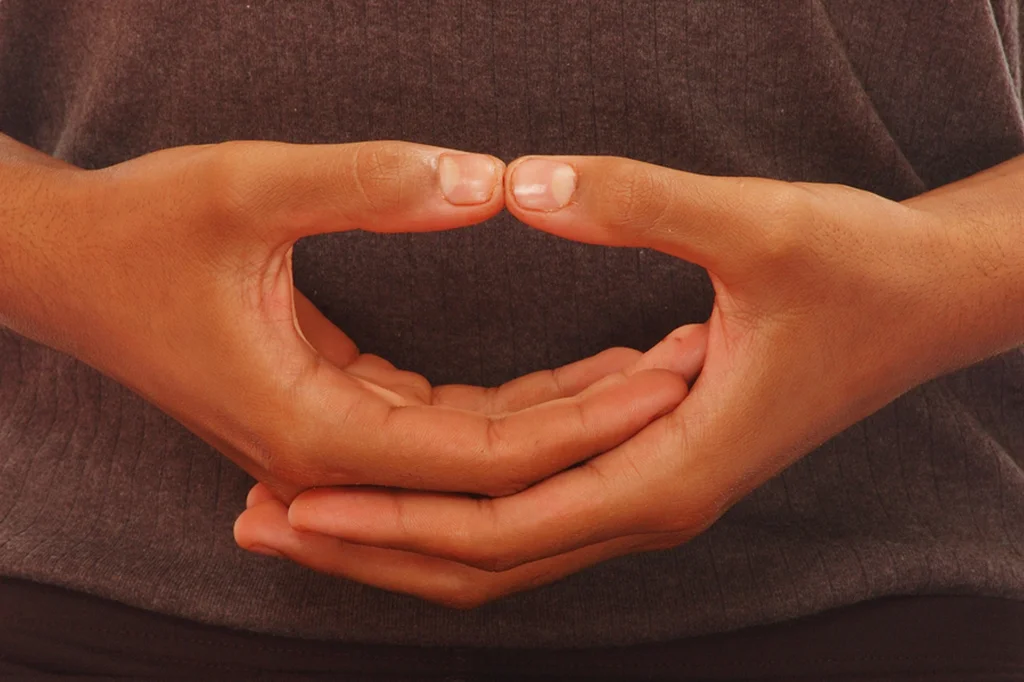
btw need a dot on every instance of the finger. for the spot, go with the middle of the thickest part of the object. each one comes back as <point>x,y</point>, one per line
<point>414,388</point>
<point>292,191</point>
<point>259,494</point>
<point>354,438</point>
<point>265,527</point>
<point>537,387</point>
<point>322,334</point>
<point>607,497</point>
<point>334,345</point>
<point>721,223</point>
<point>683,352</point>
<point>438,580</point>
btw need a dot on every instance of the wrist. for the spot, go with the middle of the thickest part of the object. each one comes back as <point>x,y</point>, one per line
<point>36,244</point>
<point>977,244</point>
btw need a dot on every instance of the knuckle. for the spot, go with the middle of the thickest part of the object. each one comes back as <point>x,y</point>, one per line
<point>287,461</point>
<point>507,470</point>
<point>379,177</point>
<point>787,213</point>
<point>491,560</point>
<point>558,383</point>
<point>232,191</point>
<point>662,541</point>
<point>635,200</point>
<point>583,418</point>
<point>621,354</point>
<point>504,485</point>
<point>691,508</point>
<point>258,450</point>
<point>293,470</point>
<point>417,384</point>
<point>464,595</point>
<point>689,515</point>
<point>512,477</point>
<point>694,515</point>
<point>492,398</point>
<point>492,552</point>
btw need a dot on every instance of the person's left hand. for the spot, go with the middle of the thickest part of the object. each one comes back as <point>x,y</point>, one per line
<point>830,303</point>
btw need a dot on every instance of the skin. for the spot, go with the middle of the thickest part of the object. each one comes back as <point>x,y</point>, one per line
<point>830,303</point>
<point>172,274</point>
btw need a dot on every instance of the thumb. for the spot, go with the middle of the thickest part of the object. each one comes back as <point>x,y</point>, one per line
<point>716,222</point>
<point>288,191</point>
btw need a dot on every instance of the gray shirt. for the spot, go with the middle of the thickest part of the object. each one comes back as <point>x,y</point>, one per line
<point>103,493</point>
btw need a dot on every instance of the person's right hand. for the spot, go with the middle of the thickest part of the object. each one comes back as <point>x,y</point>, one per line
<point>171,273</point>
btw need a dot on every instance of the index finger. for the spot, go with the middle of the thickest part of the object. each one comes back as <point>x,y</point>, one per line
<point>537,387</point>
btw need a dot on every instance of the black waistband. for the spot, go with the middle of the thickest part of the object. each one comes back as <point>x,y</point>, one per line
<point>47,631</point>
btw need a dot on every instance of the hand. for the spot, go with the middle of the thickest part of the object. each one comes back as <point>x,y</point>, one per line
<point>830,303</point>
<point>172,274</point>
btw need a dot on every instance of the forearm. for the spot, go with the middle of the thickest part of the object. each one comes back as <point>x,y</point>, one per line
<point>980,225</point>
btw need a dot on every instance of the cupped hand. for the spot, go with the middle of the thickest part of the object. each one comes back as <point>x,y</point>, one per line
<point>172,273</point>
<point>830,303</point>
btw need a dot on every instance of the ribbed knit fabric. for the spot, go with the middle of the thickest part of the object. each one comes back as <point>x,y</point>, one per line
<point>103,493</point>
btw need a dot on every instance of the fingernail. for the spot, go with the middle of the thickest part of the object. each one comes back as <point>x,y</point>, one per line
<point>543,185</point>
<point>468,179</point>
<point>265,551</point>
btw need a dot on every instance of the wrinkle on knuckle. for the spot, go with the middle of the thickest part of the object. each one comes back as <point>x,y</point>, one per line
<point>259,451</point>
<point>379,177</point>
<point>233,194</point>
<point>400,510</point>
<point>558,384</point>
<point>582,418</point>
<point>634,201</point>
<point>487,550</point>
<point>635,470</point>
<point>507,469</point>
<point>493,396</point>
<point>787,216</point>
<point>493,442</point>
<point>596,470</point>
